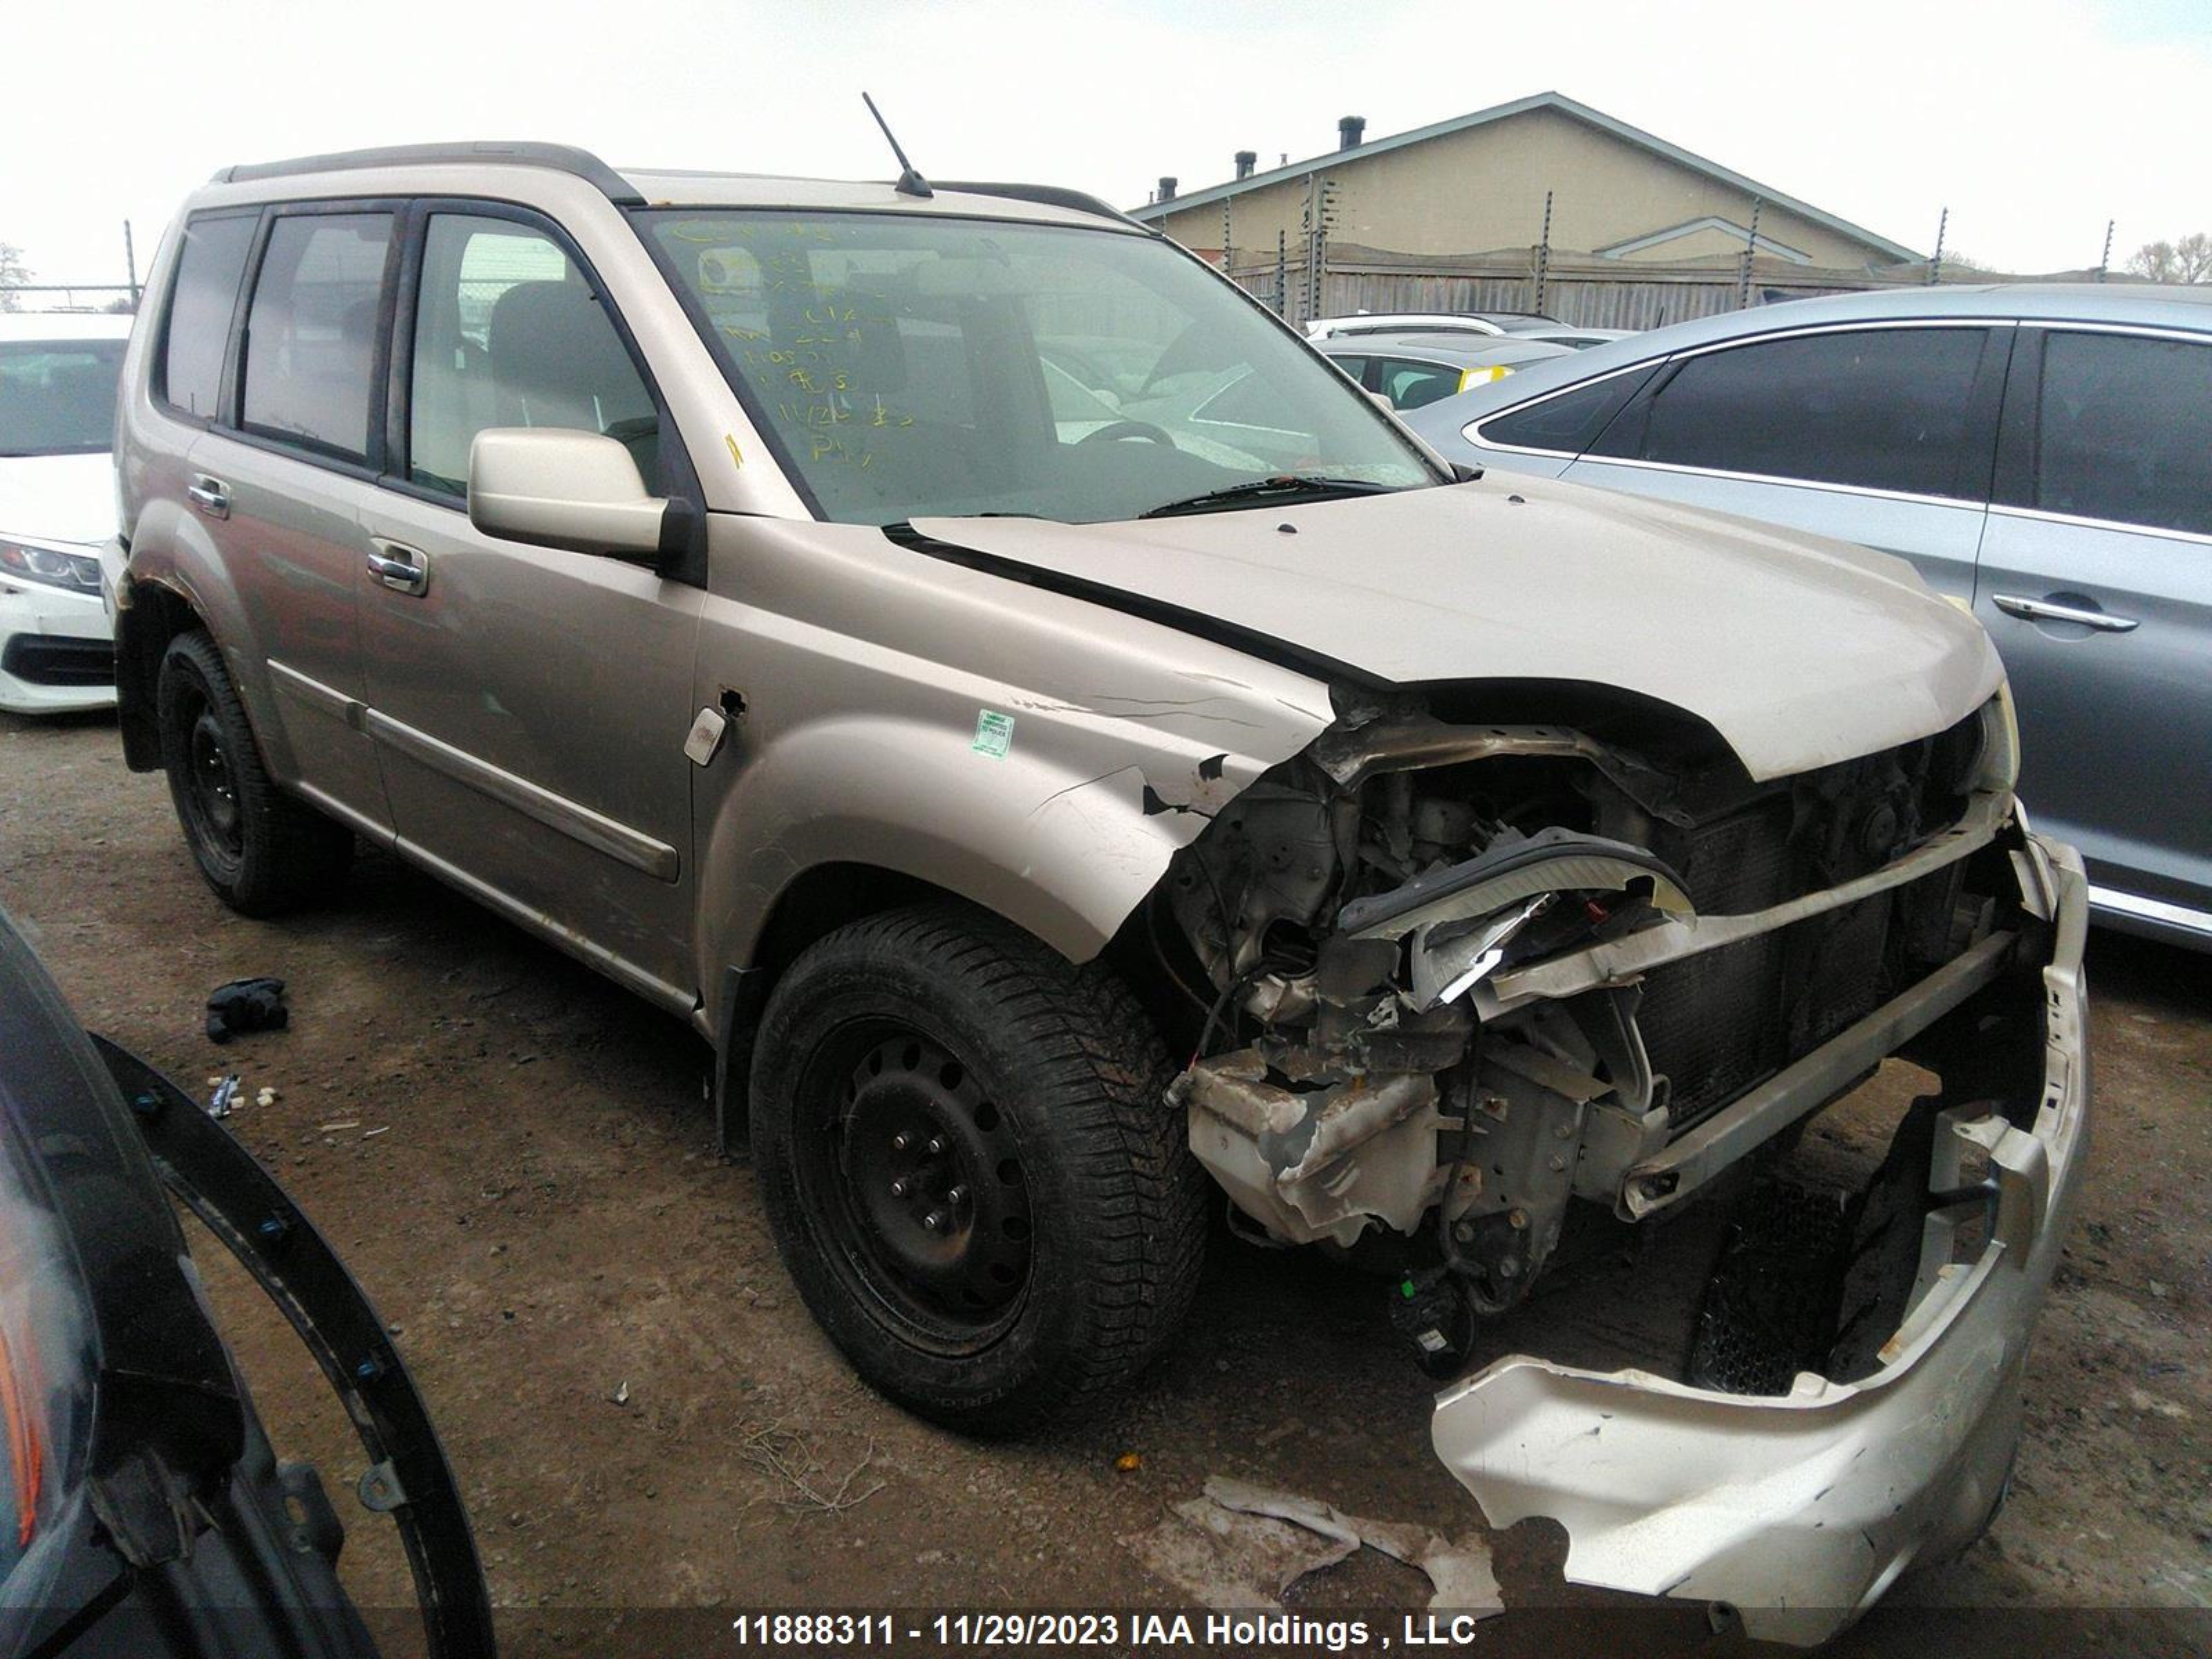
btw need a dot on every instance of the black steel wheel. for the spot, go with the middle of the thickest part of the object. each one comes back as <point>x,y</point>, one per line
<point>210,797</point>
<point>972,1175</point>
<point>917,1178</point>
<point>260,849</point>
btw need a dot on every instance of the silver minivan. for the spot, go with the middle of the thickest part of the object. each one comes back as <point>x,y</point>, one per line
<point>1055,809</point>
<point>2043,453</point>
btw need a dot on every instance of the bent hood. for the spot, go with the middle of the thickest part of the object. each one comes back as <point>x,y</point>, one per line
<point>57,498</point>
<point>1799,652</point>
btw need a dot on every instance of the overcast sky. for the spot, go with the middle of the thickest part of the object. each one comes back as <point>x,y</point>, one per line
<point>2033,120</point>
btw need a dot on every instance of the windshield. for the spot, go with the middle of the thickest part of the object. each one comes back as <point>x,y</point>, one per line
<point>906,366</point>
<point>57,397</point>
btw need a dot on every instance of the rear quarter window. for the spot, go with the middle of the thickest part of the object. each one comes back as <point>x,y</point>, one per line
<point>1570,423</point>
<point>196,333</point>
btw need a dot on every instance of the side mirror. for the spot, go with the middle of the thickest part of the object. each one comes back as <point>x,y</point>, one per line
<point>553,487</point>
<point>1382,401</point>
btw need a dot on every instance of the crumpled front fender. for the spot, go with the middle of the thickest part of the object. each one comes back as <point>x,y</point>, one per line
<point>1040,755</point>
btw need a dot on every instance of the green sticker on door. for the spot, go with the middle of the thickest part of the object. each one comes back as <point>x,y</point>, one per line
<point>995,735</point>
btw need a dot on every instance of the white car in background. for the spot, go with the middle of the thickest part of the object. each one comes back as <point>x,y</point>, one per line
<point>58,376</point>
<point>1516,325</point>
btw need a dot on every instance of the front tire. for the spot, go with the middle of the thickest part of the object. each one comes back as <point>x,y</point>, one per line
<point>261,851</point>
<point>970,1168</point>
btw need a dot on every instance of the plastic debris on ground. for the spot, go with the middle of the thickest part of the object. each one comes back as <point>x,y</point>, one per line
<point>1240,1548</point>
<point>221,1102</point>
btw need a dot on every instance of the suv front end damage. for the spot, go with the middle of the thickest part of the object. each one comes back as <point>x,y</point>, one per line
<point>1802,1510</point>
<point>1465,971</point>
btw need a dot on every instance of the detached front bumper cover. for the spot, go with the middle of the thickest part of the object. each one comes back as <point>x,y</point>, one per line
<point>1801,1510</point>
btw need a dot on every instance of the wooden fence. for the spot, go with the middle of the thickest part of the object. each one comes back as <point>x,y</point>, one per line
<point>1583,294</point>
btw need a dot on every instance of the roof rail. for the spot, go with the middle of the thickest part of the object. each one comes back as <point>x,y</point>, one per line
<point>560,158</point>
<point>1075,201</point>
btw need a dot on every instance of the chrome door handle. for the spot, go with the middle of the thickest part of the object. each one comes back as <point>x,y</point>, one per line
<point>402,570</point>
<point>211,496</point>
<point>2044,610</point>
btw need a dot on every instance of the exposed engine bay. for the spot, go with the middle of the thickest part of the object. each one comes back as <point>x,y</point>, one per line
<point>1463,972</point>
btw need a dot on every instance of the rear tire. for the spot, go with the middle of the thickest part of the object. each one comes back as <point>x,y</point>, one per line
<point>261,850</point>
<point>969,1168</point>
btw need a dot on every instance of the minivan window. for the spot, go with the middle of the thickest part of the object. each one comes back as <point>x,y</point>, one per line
<point>900,363</point>
<point>2124,431</point>
<point>57,397</point>
<point>311,331</point>
<point>210,267</point>
<point>508,333</point>
<point>1882,409</point>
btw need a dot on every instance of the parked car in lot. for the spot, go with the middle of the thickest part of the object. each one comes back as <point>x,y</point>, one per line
<point>1520,324</point>
<point>2043,453</point>
<point>1414,369</point>
<point>697,570</point>
<point>57,375</point>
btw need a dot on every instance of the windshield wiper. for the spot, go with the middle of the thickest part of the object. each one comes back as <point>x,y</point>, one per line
<point>1288,484</point>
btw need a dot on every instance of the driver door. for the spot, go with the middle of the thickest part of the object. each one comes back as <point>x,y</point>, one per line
<point>529,705</point>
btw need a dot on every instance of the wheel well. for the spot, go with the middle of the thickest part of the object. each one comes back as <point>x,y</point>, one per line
<point>143,629</point>
<point>819,902</point>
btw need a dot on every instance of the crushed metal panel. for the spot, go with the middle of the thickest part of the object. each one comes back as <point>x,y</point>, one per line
<point>1801,1510</point>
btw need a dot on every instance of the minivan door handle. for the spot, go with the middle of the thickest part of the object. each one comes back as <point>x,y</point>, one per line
<point>2045,611</point>
<point>402,569</point>
<point>211,496</point>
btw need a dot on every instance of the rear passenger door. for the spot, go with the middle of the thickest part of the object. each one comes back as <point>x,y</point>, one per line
<point>280,476</point>
<point>1883,435</point>
<point>529,705</point>
<point>2096,583</point>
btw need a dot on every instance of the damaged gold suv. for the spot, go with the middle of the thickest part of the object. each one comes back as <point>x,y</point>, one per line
<point>1065,749</point>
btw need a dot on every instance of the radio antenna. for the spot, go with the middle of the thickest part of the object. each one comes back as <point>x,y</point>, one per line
<point>910,183</point>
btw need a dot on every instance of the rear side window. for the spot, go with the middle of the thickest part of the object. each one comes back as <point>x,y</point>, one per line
<point>2124,431</point>
<point>209,268</point>
<point>508,333</point>
<point>311,331</point>
<point>1883,409</point>
<point>1569,423</point>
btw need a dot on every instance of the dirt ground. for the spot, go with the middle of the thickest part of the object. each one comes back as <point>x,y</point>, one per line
<point>517,1159</point>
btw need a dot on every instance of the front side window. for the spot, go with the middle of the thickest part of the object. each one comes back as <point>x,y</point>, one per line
<point>507,333</point>
<point>2124,431</point>
<point>311,331</point>
<point>1882,409</point>
<point>910,366</point>
<point>210,267</point>
<point>57,397</point>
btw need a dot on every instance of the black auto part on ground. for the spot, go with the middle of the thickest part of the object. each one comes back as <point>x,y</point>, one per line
<point>150,1515</point>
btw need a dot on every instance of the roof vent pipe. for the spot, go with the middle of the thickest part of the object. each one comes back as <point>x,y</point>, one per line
<point>1246,160</point>
<point>1350,132</point>
<point>1167,187</point>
